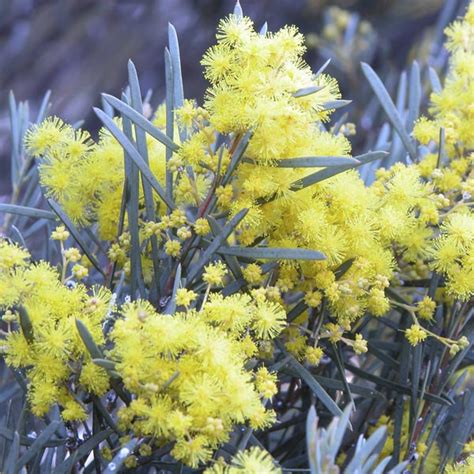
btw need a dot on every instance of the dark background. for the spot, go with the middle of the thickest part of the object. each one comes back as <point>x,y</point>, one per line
<point>79,48</point>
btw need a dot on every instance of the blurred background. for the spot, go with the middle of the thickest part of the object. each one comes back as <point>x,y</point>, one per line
<point>79,48</point>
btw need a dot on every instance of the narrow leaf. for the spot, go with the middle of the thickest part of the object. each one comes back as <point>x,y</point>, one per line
<point>336,104</point>
<point>25,324</point>
<point>414,98</point>
<point>316,162</point>
<point>75,234</point>
<point>216,243</point>
<point>169,120</point>
<point>322,68</point>
<point>39,444</point>
<point>238,12</point>
<point>389,107</point>
<point>435,81</point>
<point>116,463</point>
<point>131,171</point>
<point>230,260</point>
<point>10,467</point>
<point>272,253</point>
<point>134,155</point>
<point>176,62</point>
<point>237,156</point>
<point>83,450</point>
<point>139,120</point>
<point>330,172</point>
<point>171,306</point>
<point>137,104</point>
<point>316,388</point>
<point>27,211</point>
<point>105,363</point>
<point>305,91</point>
<point>43,110</point>
<point>88,340</point>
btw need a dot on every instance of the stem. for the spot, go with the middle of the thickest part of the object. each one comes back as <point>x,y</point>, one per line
<point>206,295</point>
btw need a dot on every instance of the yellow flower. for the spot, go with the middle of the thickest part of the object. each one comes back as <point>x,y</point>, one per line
<point>80,272</point>
<point>268,319</point>
<point>334,332</point>
<point>173,248</point>
<point>314,355</point>
<point>254,461</point>
<point>360,344</point>
<point>214,274</point>
<point>185,297</point>
<point>425,308</point>
<point>415,334</point>
<point>201,226</point>
<point>313,299</point>
<point>192,451</point>
<point>253,274</point>
<point>265,382</point>
<point>72,254</point>
<point>60,233</point>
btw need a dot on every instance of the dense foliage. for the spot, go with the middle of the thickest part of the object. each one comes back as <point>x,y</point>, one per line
<point>207,275</point>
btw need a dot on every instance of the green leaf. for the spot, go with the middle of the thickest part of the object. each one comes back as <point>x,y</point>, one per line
<point>13,455</point>
<point>341,270</point>
<point>171,306</point>
<point>316,388</point>
<point>105,414</point>
<point>137,104</point>
<point>216,244</point>
<point>169,120</point>
<point>335,384</point>
<point>364,449</point>
<point>39,444</point>
<point>312,438</point>
<point>17,236</point>
<point>44,107</point>
<point>139,120</point>
<point>305,91</point>
<point>316,162</point>
<point>272,253</point>
<point>28,440</point>
<point>25,324</point>
<point>131,171</point>
<point>330,172</point>
<point>230,260</point>
<point>342,425</point>
<point>105,363</point>
<point>116,463</point>
<point>414,98</point>
<point>435,81</point>
<point>75,234</point>
<point>394,385</point>
<point>27,211</point>
<point>83,450</point>
<point>15,133</point>
<point>339,360</point>
<point>389,107</point>
<point>176,63</point>
<point>134,155</point>
<point>238,12</point>
<point>322,68</point>
<point>237,156</point>
<point>336,104</point>
<point>417,360</point>
<point>88,340</point>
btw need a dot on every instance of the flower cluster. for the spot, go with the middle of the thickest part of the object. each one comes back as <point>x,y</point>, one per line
<point>41,313</point>
<point>188,371</point>
<point>202,319</point>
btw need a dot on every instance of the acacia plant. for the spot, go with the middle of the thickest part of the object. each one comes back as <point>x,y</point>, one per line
<point>181,292</point>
